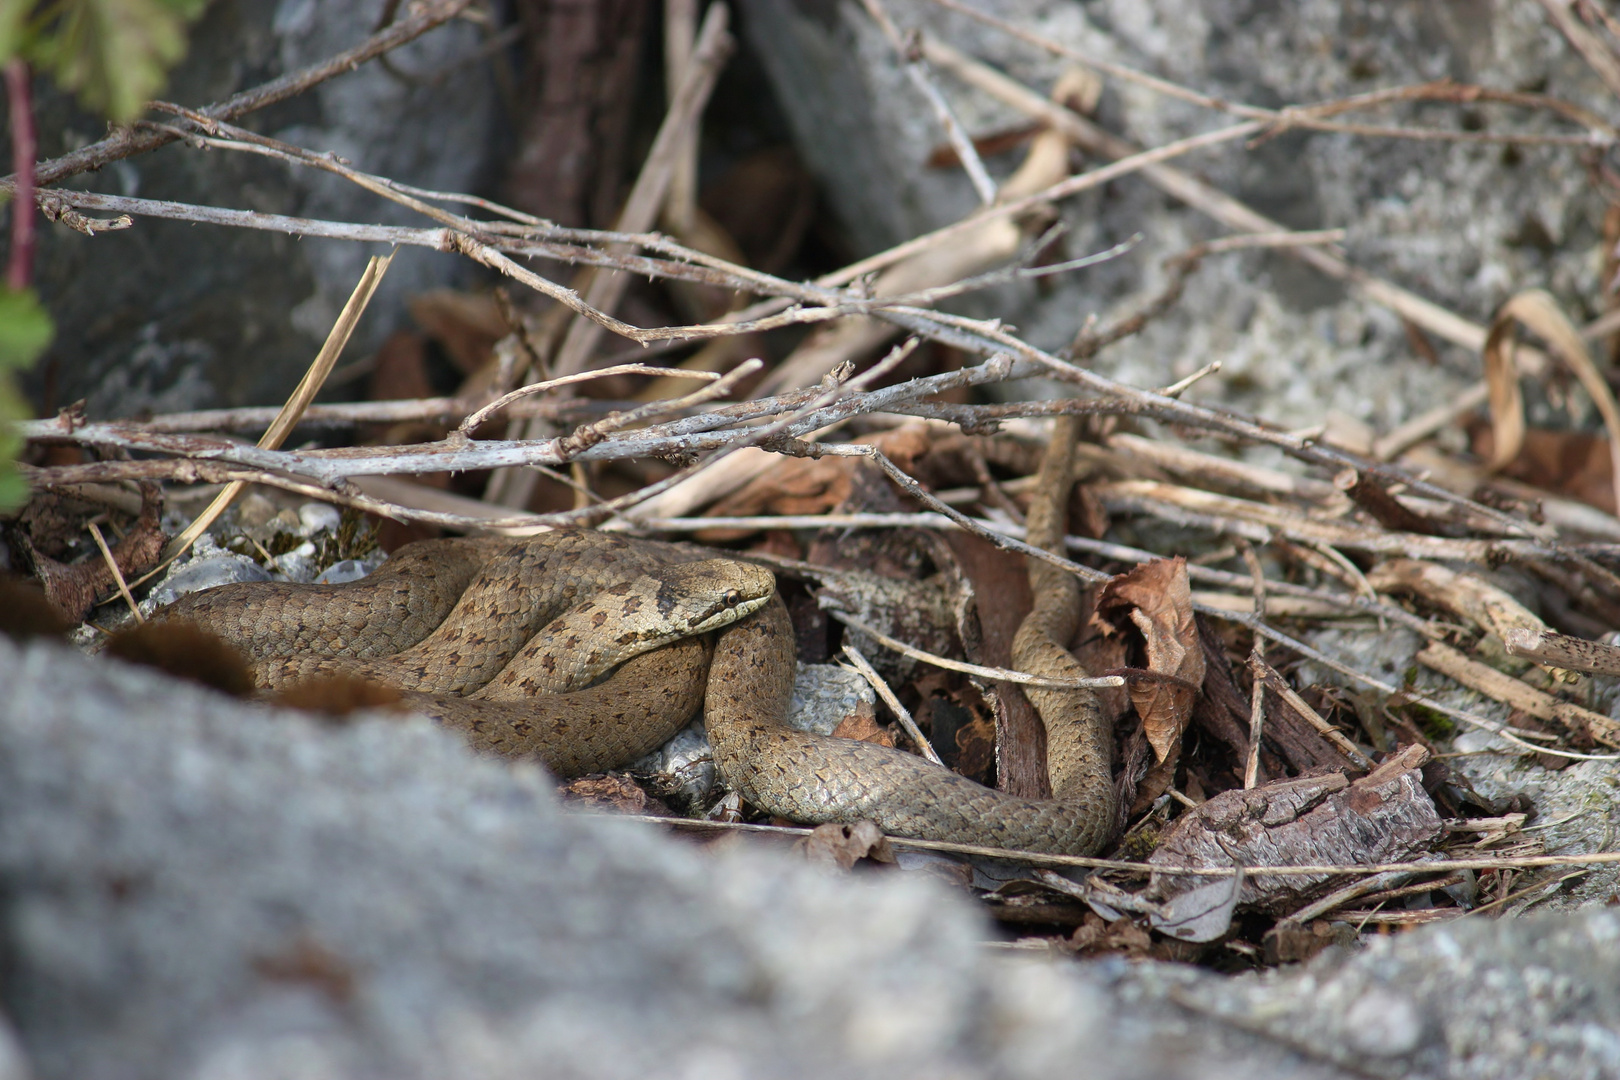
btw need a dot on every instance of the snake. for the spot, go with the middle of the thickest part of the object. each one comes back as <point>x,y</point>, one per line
<point>586,650</point>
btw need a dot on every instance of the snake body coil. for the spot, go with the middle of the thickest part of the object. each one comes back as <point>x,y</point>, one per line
<point>500,640</point>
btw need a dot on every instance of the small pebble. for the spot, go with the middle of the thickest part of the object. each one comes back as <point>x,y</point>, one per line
<point>824,695</point>
<point>254,511</point>
<point>205,573</point>
<point>316,517</point>
<point>347,570</point>
<point>298,564</point>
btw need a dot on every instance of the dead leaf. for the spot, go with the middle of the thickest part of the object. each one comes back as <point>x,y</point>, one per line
<point>863,727</point>
<point>989,144</point>
<point>75,589</point>
<point>1575,464</point>
<point>976,747</point>
<point>816,485</point>
<point>613,792</point>
<point>843,846</point>
<point>466,325</point>
<point>399,368</point>
<point>1288,942</point>
<point>766,202</point>
<point>1201,914</point>
<point>1540,312</point>
<point>1157,599</point>
<point>1094,936</point>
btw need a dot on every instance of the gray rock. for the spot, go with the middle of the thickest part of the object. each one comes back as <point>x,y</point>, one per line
<point>1465,225</point>
<point>296,565</point>
<point>318,517</point>
<point>1574,807</point>
<point>188,316</point>
<point>209,567</point>
<point>1476,998</point>
<point>346,570</point>
<point>824,696</point>
<point>195,887</point>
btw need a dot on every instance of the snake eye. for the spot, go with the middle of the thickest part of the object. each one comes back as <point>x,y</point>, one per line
<point>733,598</point>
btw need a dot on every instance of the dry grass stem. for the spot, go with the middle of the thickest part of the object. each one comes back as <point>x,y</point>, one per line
<point>1002,674</point>
<point>901,713</point>
<point>302,395</point>
<point>118,575</point>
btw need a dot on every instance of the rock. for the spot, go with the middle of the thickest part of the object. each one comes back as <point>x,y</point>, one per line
<point>195,887</point>
<point>1464,225</point>
<point>1384,1023</point>
<point>1572,807</point>
<point>824,696</point>
<point>208,567</point>
<point>346,570</point>
<point>1477,998</point>
<point>186,316</point>
<point>318,517</point>
<point>827,695</point>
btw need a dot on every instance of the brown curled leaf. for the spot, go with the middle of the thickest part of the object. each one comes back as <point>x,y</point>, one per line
<point>842,846</point>
<point>1156,598</point>
<point>1538,311</point>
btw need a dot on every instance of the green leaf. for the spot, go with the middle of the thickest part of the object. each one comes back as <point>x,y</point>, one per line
<point>115,53</point>
<point>25,331</point>
<point>25,328</point>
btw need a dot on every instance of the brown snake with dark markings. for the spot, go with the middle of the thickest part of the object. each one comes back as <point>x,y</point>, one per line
<point>483,634</point>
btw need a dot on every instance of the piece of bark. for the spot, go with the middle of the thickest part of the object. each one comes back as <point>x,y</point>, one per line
<point>1386,816</point>
<point>1294,735</point>
<point>1020,738</point>
<point>1296,706</point>
<point>1222,710</point>
<point>578,93</point>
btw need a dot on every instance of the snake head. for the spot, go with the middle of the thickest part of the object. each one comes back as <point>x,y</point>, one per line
<point>718,592</point>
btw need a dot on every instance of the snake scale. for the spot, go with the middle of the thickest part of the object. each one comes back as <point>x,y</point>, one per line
<point>502,640</point>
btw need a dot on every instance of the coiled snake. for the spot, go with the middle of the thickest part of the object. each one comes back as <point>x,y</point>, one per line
<point>500,640</point>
